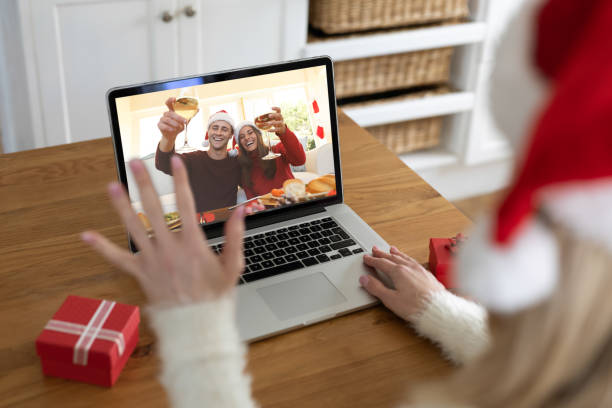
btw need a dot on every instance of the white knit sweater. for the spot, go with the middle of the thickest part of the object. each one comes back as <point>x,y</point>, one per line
<point>203,359</point>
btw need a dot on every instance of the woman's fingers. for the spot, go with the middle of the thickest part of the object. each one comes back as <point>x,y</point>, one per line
<point>232,256</point>
<point>402,255</point>
<point>379,253</point>
<point>150,201</point>
<point>170,103</point>
<point>121,258</point>
<point>384,265</point>
<point>122,205</point>
<point>376,288</point>
<point>184,200</point>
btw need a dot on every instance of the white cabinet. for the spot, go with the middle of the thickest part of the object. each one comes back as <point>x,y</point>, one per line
<point>75,50</point>
<point>84,47</point>
<point>59,57</point>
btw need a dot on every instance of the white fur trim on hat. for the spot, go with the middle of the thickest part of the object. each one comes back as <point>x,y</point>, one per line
<point>238,128</point>
<point>584,209</point>
<point>509,278</point>
<point>224,116</point>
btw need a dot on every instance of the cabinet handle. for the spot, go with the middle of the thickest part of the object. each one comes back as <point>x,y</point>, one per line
<point>190,11</point>
<point>167,17</point>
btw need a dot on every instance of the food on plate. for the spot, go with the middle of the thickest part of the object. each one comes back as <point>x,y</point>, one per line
<point>277,192</point>
<point>322,184</point>
<point>295,190</point>
<point>270,200</point>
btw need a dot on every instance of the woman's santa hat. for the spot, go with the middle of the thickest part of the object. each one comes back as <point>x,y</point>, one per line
<point>512,261</point>
<point>221,115</point>
<point>238,128</point>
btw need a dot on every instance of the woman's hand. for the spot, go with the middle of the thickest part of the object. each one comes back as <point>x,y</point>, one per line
<point>278,122</point>
<point>413,283</point>
<point>174,267</point>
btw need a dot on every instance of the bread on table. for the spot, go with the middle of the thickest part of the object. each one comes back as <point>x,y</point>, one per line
<point>322,184</point>
<point>294,189</point>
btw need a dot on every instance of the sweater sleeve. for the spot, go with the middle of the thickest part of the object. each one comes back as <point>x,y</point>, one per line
<point>162,160</point>
<point>457,325</point>
<point>203,359</point>
<point>290,148</point>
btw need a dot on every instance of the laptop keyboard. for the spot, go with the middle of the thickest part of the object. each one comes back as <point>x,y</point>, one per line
<point>290,248</point>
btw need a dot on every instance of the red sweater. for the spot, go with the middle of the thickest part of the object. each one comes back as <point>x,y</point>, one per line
<point>291,152</point>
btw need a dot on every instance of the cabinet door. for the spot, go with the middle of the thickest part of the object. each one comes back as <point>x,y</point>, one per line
<point>84,47</point>
<point>239,33</point>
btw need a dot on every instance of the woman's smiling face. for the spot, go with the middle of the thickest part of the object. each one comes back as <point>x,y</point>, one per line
<point>248,138</point>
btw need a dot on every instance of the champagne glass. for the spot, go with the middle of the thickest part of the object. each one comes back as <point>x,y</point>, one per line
<point>186,105</point>
<point>262,123</point>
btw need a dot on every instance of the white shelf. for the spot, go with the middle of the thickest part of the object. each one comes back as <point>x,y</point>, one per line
<point>398,41</point>
<point>399,111</point>
<point>427,159</point>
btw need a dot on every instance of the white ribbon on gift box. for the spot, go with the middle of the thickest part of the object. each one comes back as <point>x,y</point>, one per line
<point>88,333</point>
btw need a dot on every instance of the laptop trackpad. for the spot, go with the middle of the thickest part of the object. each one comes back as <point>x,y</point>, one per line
<point>301,296</point>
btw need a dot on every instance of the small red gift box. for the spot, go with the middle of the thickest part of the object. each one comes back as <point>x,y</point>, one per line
<point>441,257</point>
<point>88,340</point>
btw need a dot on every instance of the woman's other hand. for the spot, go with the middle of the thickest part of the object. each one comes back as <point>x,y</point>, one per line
<point>174,267</point>
<point>413,283</point>
<point>278,122</point>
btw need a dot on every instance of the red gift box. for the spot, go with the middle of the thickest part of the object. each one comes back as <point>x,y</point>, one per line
<point>88,340</point>
<point>441,258</point>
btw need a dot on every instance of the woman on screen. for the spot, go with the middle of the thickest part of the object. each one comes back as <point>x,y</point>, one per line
<point>260,173</point>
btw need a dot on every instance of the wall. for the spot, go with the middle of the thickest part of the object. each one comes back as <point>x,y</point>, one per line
<point>16,134</point>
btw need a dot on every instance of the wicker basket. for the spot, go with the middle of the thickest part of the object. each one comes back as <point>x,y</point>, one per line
<point>388,72</point>
<point>403,137</point>
<point>342,16</point>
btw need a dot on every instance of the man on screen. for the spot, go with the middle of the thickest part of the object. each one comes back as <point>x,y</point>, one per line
<point>214,175</point>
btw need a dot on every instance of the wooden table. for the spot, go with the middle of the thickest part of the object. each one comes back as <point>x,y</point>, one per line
<point>50,195</point>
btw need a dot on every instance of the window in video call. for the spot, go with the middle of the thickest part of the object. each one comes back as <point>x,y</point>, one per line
<point>263,142</point>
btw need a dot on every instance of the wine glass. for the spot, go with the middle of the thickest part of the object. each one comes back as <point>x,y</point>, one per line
<point>262,123</point>
<point>186,105</point>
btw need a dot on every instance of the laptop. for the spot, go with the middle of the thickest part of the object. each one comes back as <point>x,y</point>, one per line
<point>303,250</point>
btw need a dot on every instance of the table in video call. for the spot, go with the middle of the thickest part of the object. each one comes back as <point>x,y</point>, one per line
<point>50,195</point>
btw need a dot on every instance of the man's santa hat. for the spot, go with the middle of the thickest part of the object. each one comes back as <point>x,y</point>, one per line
<point>512,261</point>
<point>221,115</point>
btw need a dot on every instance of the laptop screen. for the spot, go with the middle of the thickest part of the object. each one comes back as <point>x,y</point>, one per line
<point>261,141</point>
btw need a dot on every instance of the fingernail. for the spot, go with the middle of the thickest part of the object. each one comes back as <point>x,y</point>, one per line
<point>136,165</point>
<point>241,211</point>
<point>176,162</point>
<point>363,280</point>
<point>375,248</point>
<point>114,189</point>
<point>87,237</point>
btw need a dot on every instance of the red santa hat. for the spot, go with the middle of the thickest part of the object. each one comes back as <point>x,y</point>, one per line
<point>220,115</point>
<point>511,261</point>
<point>238,128</point>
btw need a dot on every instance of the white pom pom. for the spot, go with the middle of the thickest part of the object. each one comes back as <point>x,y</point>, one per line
<point>509,278</point>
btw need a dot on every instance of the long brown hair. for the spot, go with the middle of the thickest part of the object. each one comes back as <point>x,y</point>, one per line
<point>555,354</point>
<point>246,161</point>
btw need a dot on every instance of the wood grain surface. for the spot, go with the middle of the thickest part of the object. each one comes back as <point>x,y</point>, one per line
<point>364,359</point>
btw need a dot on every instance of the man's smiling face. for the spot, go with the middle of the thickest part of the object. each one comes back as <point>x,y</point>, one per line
<point>219,134</point>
